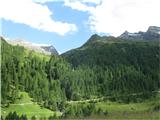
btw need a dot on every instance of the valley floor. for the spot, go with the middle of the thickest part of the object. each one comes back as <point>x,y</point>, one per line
<point>148,110</point>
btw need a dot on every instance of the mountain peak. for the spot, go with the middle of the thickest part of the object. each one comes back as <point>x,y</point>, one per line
<point>154,29</point>
<point>153,33</point>
<point>94,37</point>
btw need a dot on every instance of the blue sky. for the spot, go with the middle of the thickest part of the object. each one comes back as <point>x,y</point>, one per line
<point>67,24</point>
<point>61,43</point>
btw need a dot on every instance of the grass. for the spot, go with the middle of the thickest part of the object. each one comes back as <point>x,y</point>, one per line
<point>146,110</point>
<point>116,111</point>
<point>26,106</point>
<point>113,106</point>
<point>129,111</point>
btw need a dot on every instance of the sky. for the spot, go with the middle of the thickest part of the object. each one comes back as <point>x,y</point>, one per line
<point>68,24</point>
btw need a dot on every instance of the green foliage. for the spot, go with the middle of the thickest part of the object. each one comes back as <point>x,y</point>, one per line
<point>26,72</point>
<point>33,118</point>
<point>14,116</point>
<point>83,111</point>
<point>118,70</point>
<point>27,107</point>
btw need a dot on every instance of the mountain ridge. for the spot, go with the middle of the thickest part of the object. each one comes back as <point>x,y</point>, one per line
<point>41,48</point>
<point>99,45</point>
<point>153,33</point>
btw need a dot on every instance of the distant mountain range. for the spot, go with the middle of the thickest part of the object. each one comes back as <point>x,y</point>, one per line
<point>153,33</point>
<point>41,48</point>
<point>99,47</point>
<point>110,52</point>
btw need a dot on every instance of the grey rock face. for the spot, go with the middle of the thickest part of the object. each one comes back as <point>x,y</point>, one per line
<point>154,29</point>
<point>50,49</point>
<point>131,36</point>
<point>153,33</point>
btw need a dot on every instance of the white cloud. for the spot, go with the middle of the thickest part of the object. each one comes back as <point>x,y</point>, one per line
<point>105,16</point>
<point>77,5</point>
<point>34,15</point>
<point>91,1</point>
<point>80,5</point>
<point>45,1</point>
<point>82,1</point>
<point>116,16</point>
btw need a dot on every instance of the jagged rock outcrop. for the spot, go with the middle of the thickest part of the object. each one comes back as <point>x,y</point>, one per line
<point>153,33</point>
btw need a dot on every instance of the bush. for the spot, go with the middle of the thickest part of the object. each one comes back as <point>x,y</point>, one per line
<point>156,107</point>
<point>15,116</point>
<point>23,117</point>
<point>33,117</point>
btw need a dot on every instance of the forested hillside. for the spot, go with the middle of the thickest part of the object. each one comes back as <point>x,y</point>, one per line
<point>120,66</point>
<point>107,68</point>
<point>36,74</point>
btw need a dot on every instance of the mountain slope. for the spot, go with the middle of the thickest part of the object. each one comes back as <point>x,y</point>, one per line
<point>45,49</point>
<point>119,64</point>
<point>24,70</point>
<point>105,69</point>
<point>111,50</point>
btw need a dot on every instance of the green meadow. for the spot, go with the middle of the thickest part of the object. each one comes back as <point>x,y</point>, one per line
<point>24,105</point>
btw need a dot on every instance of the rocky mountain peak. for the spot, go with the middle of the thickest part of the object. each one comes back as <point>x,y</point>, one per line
<point>154,29</point>
<point>41,48</point>
<point>153,33</point>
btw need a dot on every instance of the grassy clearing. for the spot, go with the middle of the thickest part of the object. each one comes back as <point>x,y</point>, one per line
<point>133,116</point>
<point>130,111</point>
<point>28,109</point>
<point>26,106</point>
<point>116,107</point>
<point>147,110</point>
